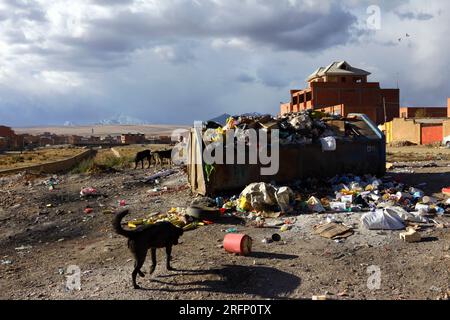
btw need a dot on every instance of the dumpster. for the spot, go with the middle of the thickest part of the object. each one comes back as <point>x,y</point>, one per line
<point>361,154</point>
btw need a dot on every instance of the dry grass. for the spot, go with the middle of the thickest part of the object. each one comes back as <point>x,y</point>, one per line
<point>106,161</point>
<point>28,158</point>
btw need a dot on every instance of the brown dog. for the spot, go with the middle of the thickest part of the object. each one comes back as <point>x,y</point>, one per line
<point>159,157</point>
<point>158,235</point>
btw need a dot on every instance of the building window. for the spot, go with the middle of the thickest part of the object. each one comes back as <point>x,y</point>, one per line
<point>308,96</point>
<point>332,79</point>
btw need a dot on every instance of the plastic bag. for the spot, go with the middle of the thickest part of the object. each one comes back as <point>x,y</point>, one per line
<point>328,143</point>
<point>382,219</point>
<point>284,196</point>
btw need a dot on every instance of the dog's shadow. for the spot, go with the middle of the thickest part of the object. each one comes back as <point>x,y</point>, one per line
<point>263,281</point>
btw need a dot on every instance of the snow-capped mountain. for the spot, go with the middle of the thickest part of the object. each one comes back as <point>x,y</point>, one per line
<point>122,120</point>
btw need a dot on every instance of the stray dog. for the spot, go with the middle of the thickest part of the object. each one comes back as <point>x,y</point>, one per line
<point>159,157</point>
<point>141,156</point>
<point>159,235</point>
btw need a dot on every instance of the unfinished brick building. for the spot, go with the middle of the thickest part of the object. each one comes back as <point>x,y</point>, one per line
<point>341,89</point>
<point>9,139</point>
<point>423,112</point>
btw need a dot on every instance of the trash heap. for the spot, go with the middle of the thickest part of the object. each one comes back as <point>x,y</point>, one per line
<point>177,216</point>
<point>385,203</point>
<point>304,127</point>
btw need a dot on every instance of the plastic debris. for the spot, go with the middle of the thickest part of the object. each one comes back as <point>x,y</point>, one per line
<point>89,191</point>
<point>382,219</point>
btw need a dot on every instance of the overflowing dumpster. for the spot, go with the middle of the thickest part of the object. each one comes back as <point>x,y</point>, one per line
<point>357,147</point>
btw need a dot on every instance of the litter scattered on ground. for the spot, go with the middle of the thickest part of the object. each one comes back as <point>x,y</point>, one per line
<point>237,243</point>
<point>21,248</point>
<point>89,191</point>
<point>161,174</point>
<point>333,231</point>
<point>52,182</point>
<point>410,235</point>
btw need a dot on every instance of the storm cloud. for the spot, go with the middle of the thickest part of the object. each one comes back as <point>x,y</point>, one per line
<point>179,60</point>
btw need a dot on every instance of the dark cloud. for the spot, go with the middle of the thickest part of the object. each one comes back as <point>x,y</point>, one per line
<point>187,60</point>
<point>277,25</point>
<point>245,78</point>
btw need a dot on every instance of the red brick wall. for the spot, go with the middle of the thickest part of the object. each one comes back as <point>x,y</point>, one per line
<point>6,132</point>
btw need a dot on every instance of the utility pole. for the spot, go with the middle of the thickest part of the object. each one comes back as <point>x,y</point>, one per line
<point>384,108</point>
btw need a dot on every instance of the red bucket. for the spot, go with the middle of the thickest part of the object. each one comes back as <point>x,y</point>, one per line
<point>237,243</point>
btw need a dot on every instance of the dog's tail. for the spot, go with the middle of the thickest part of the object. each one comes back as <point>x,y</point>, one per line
<point>118,226</point>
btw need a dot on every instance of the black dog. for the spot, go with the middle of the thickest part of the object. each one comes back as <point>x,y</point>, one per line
<point>159,156</point>
<point>159,235</point>
<point>141,156</point>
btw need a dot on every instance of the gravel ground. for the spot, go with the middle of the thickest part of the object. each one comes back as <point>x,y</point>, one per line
<point>43,232</point>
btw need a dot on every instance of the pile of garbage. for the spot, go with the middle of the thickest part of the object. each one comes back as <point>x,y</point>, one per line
<point>304,127</point>
<point>385,203</point>
<point>177,216</point>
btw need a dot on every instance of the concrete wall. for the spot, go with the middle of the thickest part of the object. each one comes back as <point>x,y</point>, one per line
<point>448,107</point>
<point>54,167</point>
<point>405,130</point>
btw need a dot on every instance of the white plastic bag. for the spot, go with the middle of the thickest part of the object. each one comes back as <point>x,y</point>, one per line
<point>328,143</point>
<point>382,219</point>
<point>285,197</point>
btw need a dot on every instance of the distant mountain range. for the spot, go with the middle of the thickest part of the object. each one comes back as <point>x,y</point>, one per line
<point>122,120</point>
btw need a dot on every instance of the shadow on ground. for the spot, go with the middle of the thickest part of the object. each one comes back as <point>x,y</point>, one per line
<point>434,181</point>
<point>262,281</point>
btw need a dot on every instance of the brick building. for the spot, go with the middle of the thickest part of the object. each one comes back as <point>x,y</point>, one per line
<point>341,89</point>
<point>10,140</point>
<point>423,112</point>
<point>132,138</point>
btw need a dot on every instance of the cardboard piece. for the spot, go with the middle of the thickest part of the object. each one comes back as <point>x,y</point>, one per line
<point>333,231</point>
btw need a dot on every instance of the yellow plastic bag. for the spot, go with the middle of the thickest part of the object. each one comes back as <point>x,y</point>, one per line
<point>244,204</point>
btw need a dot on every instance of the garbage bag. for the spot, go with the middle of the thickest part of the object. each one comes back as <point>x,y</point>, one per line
<point>382,219</point>
<point>285,197</point>
<point>405,215</point>
<point>328,143</point>
<point>265,197</point>
<point>260,195</point>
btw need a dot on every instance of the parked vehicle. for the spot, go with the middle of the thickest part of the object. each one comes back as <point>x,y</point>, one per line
<point>446,141</point>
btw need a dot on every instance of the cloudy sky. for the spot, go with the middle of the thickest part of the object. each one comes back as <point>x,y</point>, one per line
<point>176,61</point>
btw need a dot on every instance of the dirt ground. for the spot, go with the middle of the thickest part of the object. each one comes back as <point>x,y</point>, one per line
<point>43,232</point>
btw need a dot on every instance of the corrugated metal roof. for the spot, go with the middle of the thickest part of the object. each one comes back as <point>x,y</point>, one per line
<point>338,68</point>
